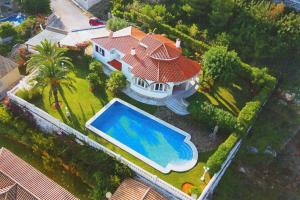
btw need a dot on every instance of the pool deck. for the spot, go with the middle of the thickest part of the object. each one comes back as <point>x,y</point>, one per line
<point>170,167</point>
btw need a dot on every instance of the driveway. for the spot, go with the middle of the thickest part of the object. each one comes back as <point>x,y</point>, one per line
<point>70,16</point>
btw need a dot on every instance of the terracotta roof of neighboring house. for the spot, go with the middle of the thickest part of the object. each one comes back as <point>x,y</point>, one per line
<point>6,66</point>
<point>157,57</point>
<point>131,189</point>
<point>22,181</point>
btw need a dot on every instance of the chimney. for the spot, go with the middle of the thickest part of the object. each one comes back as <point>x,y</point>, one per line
<point>111,33</point>
<point>133,52</point>
<point>178,43</point>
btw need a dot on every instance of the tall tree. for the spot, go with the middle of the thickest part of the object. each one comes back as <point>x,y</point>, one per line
<point>221,12</point>
<point>53,69</point>
<point>34,7</point>
<point>220,64</point>
<point>200,10</point>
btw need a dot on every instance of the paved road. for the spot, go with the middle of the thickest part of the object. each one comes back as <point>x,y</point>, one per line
<point>71,17</point>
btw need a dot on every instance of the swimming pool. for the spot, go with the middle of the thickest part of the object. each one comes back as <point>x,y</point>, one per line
<point>16,19</point>
<point>157,143</point>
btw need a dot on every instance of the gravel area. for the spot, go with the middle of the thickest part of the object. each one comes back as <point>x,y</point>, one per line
<point>199,133</point>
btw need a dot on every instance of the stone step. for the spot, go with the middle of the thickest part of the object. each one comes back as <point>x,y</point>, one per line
<point>177,106</point>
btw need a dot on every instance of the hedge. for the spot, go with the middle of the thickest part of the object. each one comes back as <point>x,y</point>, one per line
<point>248,113</point>
<point>245,118</point>
<point>220,155</point>
<point>174,33</point>
<point>211,115</point>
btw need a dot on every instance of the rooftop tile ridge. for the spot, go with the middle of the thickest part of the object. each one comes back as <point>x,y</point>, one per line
<point>146,193</point>
<point>166,50</point>
<point>150,54</point>
<point>7,188</point>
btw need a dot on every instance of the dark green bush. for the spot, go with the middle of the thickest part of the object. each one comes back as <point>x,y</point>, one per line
<point>29,95</point>
<point>173,33</point>
<point>211,115</point>
<point>5,116</point>
<point>7,30</point>
<point>96,67</point>
<point>248,113</point>
<point>116,24</point>
<point>116,82</point>
<point>220,155</point>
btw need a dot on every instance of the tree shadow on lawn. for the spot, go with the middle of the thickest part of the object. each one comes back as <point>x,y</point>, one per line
<point>231,97</point>
<point>73,119</point>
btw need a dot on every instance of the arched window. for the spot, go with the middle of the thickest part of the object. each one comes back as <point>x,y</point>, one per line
<point>159,87</point>
<point>140,82</point>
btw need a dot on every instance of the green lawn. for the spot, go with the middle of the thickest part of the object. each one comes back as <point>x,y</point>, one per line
<point>231,97</point>
<point>70,182</point>
<point>83,105</point>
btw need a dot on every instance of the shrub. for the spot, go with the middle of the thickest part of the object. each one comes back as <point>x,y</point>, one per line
<point>94,81</point>
<point>7,30</point>
<point>96,67</point>
<point>248,113</point>
<point>220,155</point>
<point>25,28</point>
<point>195,190</point>
<point>5,116</point>
<point>29,95</point>
<point>115,24</point>
<point>220,64</point>
<point>116,82</point>
<point>211,115</point>
<point>34,7</point>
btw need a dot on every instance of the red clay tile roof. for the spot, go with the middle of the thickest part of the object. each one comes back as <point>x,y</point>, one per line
<point>21,179</point>
<point>157,58</point>
<point>131,189</point>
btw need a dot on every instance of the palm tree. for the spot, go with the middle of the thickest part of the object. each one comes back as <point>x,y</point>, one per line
<point>53,69</point>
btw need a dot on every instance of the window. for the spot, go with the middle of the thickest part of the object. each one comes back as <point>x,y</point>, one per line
<point>100,50</point>
<point>140,82</point>
<point>159,87</point>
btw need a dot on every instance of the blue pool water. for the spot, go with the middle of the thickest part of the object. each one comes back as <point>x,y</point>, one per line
<point>16,19</point>
<point>146,136</point>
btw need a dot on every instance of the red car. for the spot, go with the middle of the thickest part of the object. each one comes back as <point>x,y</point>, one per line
<point>94,21</point>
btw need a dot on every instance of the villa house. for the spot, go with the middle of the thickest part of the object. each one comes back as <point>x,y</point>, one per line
<point>153,64</point>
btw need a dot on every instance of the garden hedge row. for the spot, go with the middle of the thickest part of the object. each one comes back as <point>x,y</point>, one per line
<point>211,115</point>
<point>174,33</point>
<point>216,160</point>
<point>244,120</point>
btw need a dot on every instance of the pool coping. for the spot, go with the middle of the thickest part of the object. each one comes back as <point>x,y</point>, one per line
<point>170,167</point>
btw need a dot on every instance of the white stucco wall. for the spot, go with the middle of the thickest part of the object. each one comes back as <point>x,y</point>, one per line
<point>87,4</point>
<point>147,92</point>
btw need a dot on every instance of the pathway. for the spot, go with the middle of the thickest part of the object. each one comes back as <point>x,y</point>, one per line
<point>70,16</point>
